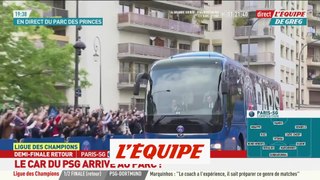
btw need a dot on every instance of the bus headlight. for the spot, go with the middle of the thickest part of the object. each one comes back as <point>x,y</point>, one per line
<point>216,146</point>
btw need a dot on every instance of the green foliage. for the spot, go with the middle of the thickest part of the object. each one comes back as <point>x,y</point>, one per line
<point>240,21</point>
<point>29,73</point>
<point>317,78</point>
<point>199,18</point>
<point>316,36</point>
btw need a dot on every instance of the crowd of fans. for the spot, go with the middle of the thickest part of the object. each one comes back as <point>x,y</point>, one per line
<point>17,124</point>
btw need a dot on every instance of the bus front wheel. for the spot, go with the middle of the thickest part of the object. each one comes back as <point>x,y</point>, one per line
<point>239,146</point>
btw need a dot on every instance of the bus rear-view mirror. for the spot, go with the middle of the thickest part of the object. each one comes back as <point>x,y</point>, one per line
<point>139,77</point>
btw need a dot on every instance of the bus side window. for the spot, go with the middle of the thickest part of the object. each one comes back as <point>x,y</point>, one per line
<point>229,109</point>
<point>235,95</point>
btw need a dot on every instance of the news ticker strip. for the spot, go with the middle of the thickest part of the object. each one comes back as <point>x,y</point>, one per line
<point>143,174</point>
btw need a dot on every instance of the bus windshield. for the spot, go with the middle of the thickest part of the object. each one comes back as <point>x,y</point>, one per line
<point>184,89</point>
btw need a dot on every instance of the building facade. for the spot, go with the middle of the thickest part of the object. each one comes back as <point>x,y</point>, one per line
<point>137,33</point>
<point>312,89</point>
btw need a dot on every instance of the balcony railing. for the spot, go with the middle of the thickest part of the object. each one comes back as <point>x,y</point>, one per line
<point>147,50</point>
<point>160,23</point>
<point>253,5</point>
<point>314,39</point>
<point>316,81</point>
<point>197,4</point>
<point>257,58</point>
<point>56,12</point>
<point>242,31</point>
<point>313,83</point>
<point>315,59</point>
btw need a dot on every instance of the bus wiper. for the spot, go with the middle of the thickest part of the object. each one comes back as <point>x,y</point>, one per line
<point>160,119</point>
<point>164,116</point>
<point>209,124</point>
<point>168,90</point>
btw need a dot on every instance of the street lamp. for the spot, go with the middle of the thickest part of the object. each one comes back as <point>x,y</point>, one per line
<point>96,55</point>
<point>299,75</point>
<point>78,46</point>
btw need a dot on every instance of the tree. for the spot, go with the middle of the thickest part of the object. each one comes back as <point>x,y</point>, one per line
<point>240,21</point>
<point>29,73</point>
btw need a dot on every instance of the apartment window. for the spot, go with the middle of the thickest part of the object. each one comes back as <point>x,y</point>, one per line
<point>156,41</point>
<point>217,2</point>
<point>302,75</point>
<point>302,54</point>
<point>282,29</point>
<point>172,43</point>
<point>310,52</point>
<point>157,13</point>
<point>297,32</point>
<point>137,103</point>
<point>125,67</point>
<point>61,32</point>
<point>139,10</point>
<point>282,4</point>
<point>58,4</point>
<point>297,73</point>
<point>217,25</point>
<point>282,75</point>
<point>217,48</point>
<point>204,26</point>
<point>287,53</point>
<point>292,55</point>
<point>124,8</point>
<point>203,47</point>
<point>140,68</point>
<point>185,46</point>
<point>253,49</point>
<point>287,77</point>
<point>267,4</point>
<point>282,51</point>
